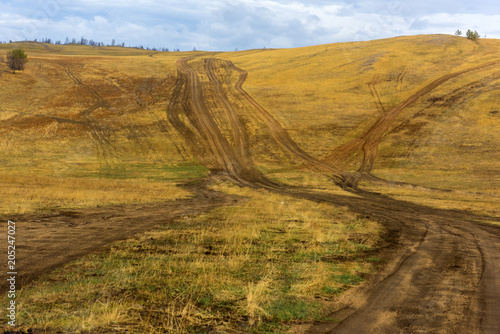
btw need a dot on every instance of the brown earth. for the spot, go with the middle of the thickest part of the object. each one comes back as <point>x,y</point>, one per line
<point>47,241</point>
<point>442,273</point>
<point>369,141</point>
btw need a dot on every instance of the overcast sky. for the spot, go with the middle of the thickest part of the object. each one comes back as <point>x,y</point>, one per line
<point>241,24</point>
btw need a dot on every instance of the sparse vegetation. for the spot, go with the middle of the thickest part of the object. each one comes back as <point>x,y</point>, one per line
<point>33,193</point>
<point>87,126</point>
<point>48,147</point>
<point>270,261</point>
<point>293,90</point>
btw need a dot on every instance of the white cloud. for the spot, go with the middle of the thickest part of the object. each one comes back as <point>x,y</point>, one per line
<point>243,24</point>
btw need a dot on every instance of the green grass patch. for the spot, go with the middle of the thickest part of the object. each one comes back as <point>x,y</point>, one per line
<point>153,172</point>
<point>348,279</point>
<point>288,309</point>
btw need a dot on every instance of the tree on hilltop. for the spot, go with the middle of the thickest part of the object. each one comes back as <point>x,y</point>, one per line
<point>17,59</point>
<point>472,35</point>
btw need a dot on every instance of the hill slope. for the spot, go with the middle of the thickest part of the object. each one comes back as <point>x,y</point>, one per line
<point>101,112</point>
<point>398,130</point>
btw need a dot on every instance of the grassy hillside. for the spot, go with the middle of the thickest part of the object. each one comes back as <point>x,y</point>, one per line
<point>80,111</point>
<point>92,114</point>
<point>85,126</point>
<point>327,95</point>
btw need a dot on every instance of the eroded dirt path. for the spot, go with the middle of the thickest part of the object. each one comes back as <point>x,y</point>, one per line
<point>188,100</point>
<point>45,242</point>
<point>368,142</point>
<point>280,134</point>
<point>442,274</point>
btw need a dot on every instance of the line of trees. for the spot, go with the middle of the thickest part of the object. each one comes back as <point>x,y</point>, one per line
<point>472,35</point>
<point>91,42</point>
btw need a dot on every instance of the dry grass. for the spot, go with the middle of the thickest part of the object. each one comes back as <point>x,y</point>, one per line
<point>90,123</point>
<point>323,95</point>
<point>481,203</point>
<point>270,261</point>
<point>32,193</point>
<point>326,95</point>
<point>78,118</point>
<point>450,141</point>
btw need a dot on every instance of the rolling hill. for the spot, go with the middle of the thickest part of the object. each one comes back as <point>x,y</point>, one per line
<point>399,134</point>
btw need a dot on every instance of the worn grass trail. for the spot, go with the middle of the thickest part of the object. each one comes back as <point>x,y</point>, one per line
<point>48,241</point>
<point>443,272</point>
<point>369,141</point>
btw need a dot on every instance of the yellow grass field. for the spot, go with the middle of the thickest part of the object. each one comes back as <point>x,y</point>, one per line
<point>413,120</point>
<point>92,116</point>
<point>83,111</point>
<point>326,95</point>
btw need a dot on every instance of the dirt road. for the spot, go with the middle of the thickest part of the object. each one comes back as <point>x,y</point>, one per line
<point>443,275</point>
<point>45,242</point>
<point>368,142</point>
<point>192,104</point>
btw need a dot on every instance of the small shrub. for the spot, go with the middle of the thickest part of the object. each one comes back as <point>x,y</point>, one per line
<point>17,59</point>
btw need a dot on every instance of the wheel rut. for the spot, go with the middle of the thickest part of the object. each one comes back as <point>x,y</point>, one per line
<point>47,241</point>
<point>441,274</point>
<point>368,142</point>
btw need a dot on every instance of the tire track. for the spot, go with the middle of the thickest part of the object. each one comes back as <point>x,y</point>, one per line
<point>399,79</point>
<point>99,135</point>
<point>376,96</point>
<point>193,106</point>
<point>368,141</point>
<point>280,134</point>
<point>100,102</point>
<point>445,278</point>
<point>442,274</point>
<point>177,108</point>
<point>49,241</point>
<point>239,131</point>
